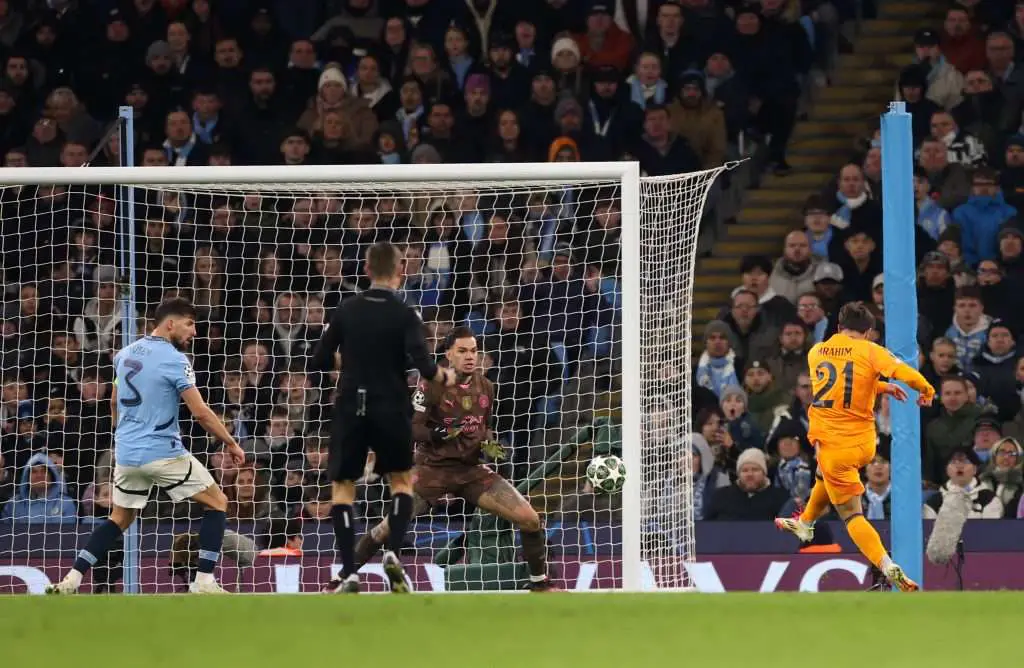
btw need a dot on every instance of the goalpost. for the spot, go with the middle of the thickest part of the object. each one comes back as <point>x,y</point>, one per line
<point>577,278</point>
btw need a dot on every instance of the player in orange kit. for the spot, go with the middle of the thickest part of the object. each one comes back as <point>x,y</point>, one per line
<point>845,373</point>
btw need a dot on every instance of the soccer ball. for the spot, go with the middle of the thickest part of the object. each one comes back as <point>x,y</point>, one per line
<point>606,474</point>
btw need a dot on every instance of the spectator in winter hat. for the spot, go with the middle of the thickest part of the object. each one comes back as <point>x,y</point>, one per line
<point>790,461</point>
<point>425,154</point>
<point>614,123</point>
<point>828,284</point>
<point>741,425</point>
<point>707,476</point>
<point>567,68</point>
<point>603,42</point>
<point>962,468</point>
<point>332,95</point>
<point>945,83</point>
<point>755,271</point>
<point>931,217</point>
<point>996,365</point>
<point>818,225</point>
<point>1004,475</point>
<point>752,497</point>
<point>716,368</point>
<point>987,432</point>
<point>764,399</point>
<point>697,118</point>
<point>563,149</point>
<point>568,116</point>
<point>912,87</point>
<point>1011,178</point>
<point>475,122</point>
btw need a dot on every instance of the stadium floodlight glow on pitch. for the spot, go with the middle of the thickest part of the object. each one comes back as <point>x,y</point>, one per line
<point>266,251</point>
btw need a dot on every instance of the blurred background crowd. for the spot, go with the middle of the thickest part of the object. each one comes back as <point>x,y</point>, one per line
<point>678,85</point>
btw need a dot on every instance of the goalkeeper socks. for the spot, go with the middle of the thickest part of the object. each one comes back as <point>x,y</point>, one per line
<point>96,548</point>
<point>401,513</point>
<point>344,536</point>
<point>535,552</point>
<point>866,539</point>
<point>211,538</point>
<point>817,505</point>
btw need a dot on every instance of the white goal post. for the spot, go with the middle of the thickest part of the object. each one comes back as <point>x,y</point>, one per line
<point>577,278</point>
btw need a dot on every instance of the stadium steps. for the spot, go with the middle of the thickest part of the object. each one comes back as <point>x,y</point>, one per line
<point>862,85</point>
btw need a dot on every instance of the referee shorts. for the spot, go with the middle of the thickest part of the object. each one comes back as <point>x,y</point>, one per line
<point>387,433</point>
<point>180,477</point>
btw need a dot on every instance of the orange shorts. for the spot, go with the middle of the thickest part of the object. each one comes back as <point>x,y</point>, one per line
<point>840,468</point>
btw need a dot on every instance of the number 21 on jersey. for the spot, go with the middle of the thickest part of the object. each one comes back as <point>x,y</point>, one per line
<point>827,374</point>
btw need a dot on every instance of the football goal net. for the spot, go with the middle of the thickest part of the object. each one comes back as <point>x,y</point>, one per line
<point>576,279</point>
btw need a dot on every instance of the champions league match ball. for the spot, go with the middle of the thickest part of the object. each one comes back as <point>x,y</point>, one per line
<point>606,474</point>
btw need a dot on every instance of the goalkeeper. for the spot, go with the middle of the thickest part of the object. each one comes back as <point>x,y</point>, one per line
<point>450,427</point>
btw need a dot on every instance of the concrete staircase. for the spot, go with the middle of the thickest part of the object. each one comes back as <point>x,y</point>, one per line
<point>862,85</point>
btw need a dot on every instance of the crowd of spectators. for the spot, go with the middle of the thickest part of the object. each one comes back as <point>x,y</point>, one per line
<point>966,97</point>
<point>270,82</point>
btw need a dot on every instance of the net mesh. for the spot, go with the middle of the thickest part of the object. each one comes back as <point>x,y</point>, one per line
<point>534,268</point>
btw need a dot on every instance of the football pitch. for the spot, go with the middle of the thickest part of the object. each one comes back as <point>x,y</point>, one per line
<point>932,630</point>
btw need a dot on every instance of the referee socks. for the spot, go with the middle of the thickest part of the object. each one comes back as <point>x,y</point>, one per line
<point>344,536</point>
<point>398,521</point>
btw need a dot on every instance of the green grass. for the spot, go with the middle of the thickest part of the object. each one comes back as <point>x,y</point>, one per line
<point>932,630</point>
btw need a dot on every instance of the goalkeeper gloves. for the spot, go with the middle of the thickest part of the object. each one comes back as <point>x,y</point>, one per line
<point>493,449</point>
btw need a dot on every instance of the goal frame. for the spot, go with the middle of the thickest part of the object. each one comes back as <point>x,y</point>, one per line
<point>627,174</point>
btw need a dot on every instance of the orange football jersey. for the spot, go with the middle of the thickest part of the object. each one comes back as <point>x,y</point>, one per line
<point>844,379</point>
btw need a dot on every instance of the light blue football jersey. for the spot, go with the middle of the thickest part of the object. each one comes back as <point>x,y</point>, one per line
<point>150,375</point>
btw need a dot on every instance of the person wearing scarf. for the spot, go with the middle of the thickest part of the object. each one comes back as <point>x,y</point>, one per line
<point>878,489</point>
<point>411,104</point>
<point>646,85</point>
<point>1004,475</point>
<point>716,369</point>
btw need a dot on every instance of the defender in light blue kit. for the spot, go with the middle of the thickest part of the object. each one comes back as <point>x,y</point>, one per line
<point>152,377</point>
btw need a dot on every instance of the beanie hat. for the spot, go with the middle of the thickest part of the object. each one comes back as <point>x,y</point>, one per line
<point>718,327</point>
<point>567,105</point>
<point>158,48</point>
<point>752,456</point>
<point>694,77</point>
<point>558,144</point>
<point>425,153</point>
<point>565,44</point>
<point>474,81</point>
<point>735,391</point>
<point>332,75</point>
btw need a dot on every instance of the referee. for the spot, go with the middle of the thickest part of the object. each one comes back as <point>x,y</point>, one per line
<point>377,334</point>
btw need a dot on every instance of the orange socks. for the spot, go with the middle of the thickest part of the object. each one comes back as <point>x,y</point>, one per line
<point>867,539</point>
<point>817,505</point>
